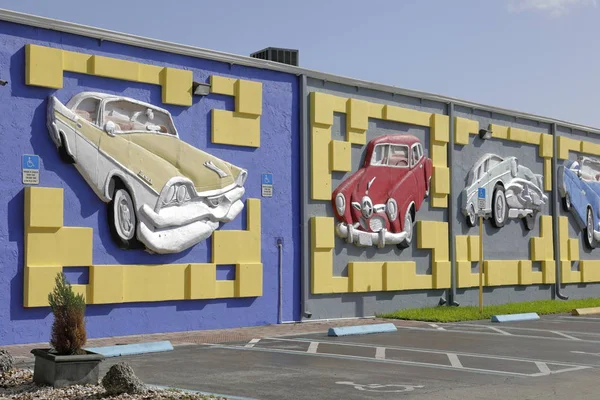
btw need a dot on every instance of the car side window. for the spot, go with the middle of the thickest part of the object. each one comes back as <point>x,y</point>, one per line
<point>486,165</point>
<point>479,172</point>
<point>399,156</point>
<point>415,156</point>
<point>87,109</point>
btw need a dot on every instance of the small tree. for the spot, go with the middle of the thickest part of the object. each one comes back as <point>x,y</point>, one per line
<point>68,330</point>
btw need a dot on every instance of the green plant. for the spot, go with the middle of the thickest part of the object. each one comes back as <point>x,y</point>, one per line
<point>68,330</point>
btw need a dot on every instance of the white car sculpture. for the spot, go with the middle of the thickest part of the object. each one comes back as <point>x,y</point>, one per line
<point>512,191</point>
<point>162,192</point>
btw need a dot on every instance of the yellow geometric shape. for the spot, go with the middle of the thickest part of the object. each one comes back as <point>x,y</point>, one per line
<point>499,131</point>
<point>547,174</point>
<point>473,248</point>
<point>177,86</point>
<point>376,110</point>
<point>222,85</point>
<point>563,236</point>
<point>106,283</point>
<point>501,272</point>
<point>406,115</point>
<point>321,271</point>
<point>154,283</point>
<point>400,275</point>
<point>235,129</point>
<point>225,289</point>
<point>358,115</point>
<point>548,271</point>
<point>321,109</point>
<point>462,128</point>
<point>43,207</point>
<point>43,67</point>
<point>248,280</point>
<point>441,273</point>
<point>590,148</point>
<point>319,166</point>
<point>248,97</point>
<point>525,276</point>
<point>439,154</point>
<point>150,74</point>
<point>546,146</point>
<point>38,282</point>
<point>322,231</point>
<point>524,136</point>
<point>573,249</point>
<point>340,104</point>
<point>201,280</point>
<point>118,69</point>
<point>240,247</point>
<point>366,276</point>
<point>340,156</point>
<point>462,248</point>
<point>439,200</point>
<point>590,270</point>
<point>440,128</point>
<point>464,276</point>
<point>565,145</point>
<point>441,180</point>
<point>66,246</point>
<point>542,248</point>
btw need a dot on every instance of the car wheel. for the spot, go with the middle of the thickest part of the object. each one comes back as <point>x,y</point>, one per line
<point>428,188</point>
<point>62,152</point>
<point>566,202</point>
<point>529,221</point>
<point>471,216</point>
<point>589,229</point>
<point>499,209</point>
<point>408,228</point>
<point>122,219</point>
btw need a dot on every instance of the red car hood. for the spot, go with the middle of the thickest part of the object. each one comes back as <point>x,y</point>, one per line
<point>377,183</point>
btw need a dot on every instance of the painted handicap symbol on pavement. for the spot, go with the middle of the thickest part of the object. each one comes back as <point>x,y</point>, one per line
<point>374,387</point>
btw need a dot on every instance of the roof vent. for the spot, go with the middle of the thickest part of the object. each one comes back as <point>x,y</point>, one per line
<point>285,56</point>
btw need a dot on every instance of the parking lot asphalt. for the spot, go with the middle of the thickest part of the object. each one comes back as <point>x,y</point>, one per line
<point>555,357</point>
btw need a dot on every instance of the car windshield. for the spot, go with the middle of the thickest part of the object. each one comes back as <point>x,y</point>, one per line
<point>590,170</point>
<point>392,155</point>
<point>133,117</point>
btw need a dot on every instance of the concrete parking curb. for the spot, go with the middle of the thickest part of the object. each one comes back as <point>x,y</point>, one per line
<point>361,329</point>
<point>515,317</point>
<point>227,396</point>
<point>586,311</point>
<point>131,349</point>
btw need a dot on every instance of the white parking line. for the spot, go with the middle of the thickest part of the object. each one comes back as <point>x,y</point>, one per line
<point>380,353</point>
<point>565,335</point>
<point>518,328</point>
<point>585,319</point>
<point>498,330</point>
<point>439,328</point>
<point>312,348</point>
<point>252,342</point>
<point>543,367</point>
<point>454,361</point>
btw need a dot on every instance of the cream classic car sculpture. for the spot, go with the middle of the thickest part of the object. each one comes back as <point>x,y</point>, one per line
<point>162,193</point>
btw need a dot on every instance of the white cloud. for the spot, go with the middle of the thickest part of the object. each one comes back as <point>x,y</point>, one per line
<point>553,7</point>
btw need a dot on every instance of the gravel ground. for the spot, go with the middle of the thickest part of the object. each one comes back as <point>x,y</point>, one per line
<point>18,384</point>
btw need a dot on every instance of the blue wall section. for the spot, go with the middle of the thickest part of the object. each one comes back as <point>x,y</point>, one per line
<point>23,131</point>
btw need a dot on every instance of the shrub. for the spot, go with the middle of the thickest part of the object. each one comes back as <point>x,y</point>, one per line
<point>68,330</point>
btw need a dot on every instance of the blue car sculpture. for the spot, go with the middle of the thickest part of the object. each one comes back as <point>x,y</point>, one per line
<point>579,188</point>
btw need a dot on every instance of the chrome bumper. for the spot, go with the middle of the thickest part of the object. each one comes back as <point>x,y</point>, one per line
<point>365,239</point>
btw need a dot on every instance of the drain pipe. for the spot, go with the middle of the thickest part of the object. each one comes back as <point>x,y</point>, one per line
<point>304,193</point>
<point>280,307</point>
<point>451,212</point>
<point>555,215</point>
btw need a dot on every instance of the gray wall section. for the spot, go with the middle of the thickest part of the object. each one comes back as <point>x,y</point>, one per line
<point>510,242</point>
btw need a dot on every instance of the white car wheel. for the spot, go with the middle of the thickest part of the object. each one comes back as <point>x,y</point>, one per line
<point>408,229</point>
<point>471,216</point>
<point>589,229</point>
<point>499,207</point>
<point>122,218</point>
<point>566,202</point>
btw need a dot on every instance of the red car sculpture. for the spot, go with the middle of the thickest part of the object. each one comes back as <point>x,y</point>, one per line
<point>377,204</point>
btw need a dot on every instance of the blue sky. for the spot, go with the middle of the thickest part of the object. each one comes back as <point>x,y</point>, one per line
<point>537,56</point>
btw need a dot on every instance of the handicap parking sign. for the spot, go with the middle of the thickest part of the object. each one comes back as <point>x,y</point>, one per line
<point>267,185</point>
<point>267,179</point>
<point>481,193</point>
<point>30,164</point>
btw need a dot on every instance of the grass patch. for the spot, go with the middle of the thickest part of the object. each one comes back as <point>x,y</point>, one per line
<point>470,313</point>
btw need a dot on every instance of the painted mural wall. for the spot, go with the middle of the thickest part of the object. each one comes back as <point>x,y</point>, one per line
<point>149,196</point>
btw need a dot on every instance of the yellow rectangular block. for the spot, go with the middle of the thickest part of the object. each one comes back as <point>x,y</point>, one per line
<point>235,129</point>
<point>563,236</point>
<point>177,88</point>
<point>320,181</point>
<point>340,156</point>
<point>547,174</point>
<point>462,128</point>
<point>249,280</point>
<point>473,248</point>
<point>222,85</point>
<point>525,277</point>
<point>83,290</point>
<point>590,270</point>
<point>441,180</point>
<point>225,289</point>
<point>376,110</point>
<point>427,234</point>
<point>524,136</point>
<point>462,248</point>
<point>77,62</point>
<point>321,109</point>
<point>340,104</point>
<point>38,282</point>
<point>439,154</point>
<point>565,145</point>
<point>355,136</point>
<point>358,114</point>
<point>322,232</point>
<point>322,271</point>
<point>499,131</point>
<point>115,68</point>
<point>340,284</point>
<point>440,128</point>
<point>240,247</point>
<point>464,276</point>
<point>149,74</point>
<point>43,207</point>
<point>365,276</point>
<point>546,146</point>
<point>538,252</point>
<point>573,249</point>
<point>201,281</point>
<point>566,274</point>
<point>536,277</point>
<point>248,97</point>
<point>441,274</point>
<point>439,200</point>
<point>67,247</point>
<point>154,282</point>
<point>501,272</point>
<point>590,148</point>
<point>548,271</point>
<point>406,115</point>
<point>43,66</point>
<point>106,282</point>
<point>399,275</point>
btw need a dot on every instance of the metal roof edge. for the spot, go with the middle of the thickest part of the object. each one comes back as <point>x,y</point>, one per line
<point>187,50</point>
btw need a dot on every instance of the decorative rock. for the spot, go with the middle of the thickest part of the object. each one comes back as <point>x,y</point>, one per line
<point>6,361</point>
<point>120,379</point>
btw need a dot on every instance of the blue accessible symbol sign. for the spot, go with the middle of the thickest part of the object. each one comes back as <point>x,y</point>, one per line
<point>267,185</point>
<point>31,169</point>
<point>481,193</point>
<point>481,200</point>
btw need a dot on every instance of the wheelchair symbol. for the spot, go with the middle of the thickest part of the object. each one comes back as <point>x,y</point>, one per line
<point>30,163</point>
<point>374,387</point>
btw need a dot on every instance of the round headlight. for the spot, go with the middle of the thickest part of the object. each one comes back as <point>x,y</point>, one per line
<point>170,195</point>
<point>392,209</point>
<point>340,203</point>
<point>181,193</point>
